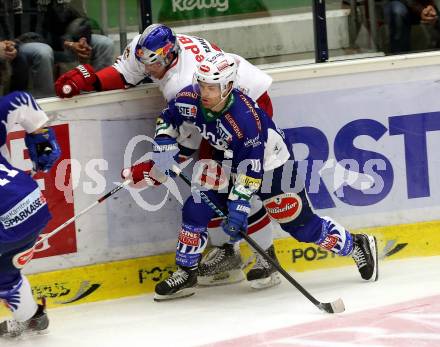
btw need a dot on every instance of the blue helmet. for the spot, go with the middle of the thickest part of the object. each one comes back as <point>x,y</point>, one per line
<point>156,44</point>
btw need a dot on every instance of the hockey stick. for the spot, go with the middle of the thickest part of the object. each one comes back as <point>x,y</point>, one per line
<point>66,223</point>
<point>336,306</point>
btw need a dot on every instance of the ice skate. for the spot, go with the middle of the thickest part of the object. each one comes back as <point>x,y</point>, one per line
<point>365,256</point>
<point>38,324</point>
<point>180,284</point>
<point>263,274</point>
<point>221,265</point>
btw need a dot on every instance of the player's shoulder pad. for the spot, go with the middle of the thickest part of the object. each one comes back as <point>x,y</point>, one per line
<point>130,50</point>
<point>251,125</point>
<point>187,103</point>
<point>187,94</point>
<point>18,99</point>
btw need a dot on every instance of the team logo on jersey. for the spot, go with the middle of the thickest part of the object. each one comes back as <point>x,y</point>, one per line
<point>204,68</point>
<point>23,210</point>
<point>218,143</point>
<point>22,258</point>
<point>186,110</point>
<point>284,207</point>
<point>223,132</point>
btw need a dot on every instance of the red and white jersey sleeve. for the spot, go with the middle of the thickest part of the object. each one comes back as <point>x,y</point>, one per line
<point>128,66</point>
<point>251,80</point>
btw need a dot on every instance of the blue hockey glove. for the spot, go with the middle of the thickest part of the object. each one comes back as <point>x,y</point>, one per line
<point>238,211</point>
<point>165,154</point>
<point>43,149</point>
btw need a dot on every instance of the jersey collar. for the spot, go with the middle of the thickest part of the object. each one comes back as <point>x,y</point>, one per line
<point>211,116</point>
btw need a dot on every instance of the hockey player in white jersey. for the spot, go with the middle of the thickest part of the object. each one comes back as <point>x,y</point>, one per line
<point>23,211</point>
<point>170,60</point>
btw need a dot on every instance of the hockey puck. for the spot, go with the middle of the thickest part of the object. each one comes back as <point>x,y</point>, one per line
<point>67,89</point>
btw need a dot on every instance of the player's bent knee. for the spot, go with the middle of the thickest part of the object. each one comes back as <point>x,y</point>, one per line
<point>196,213</point>
<point>294,216</point>
<point>284,208</point>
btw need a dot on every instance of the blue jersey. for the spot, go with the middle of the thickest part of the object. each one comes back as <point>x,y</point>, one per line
<point>242,131</point>
<point>23,209</point>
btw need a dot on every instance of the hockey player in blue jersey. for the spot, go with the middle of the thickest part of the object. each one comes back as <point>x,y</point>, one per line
<point>254,150</point>
<point>23,211</point>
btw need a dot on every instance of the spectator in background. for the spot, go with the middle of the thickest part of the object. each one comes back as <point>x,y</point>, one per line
<point>27,56</point>
<point>401,15</point>
<point>69,32</point>
<point>61,34</point>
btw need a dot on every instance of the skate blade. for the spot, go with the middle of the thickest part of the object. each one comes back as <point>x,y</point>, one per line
<point>25,334</point>
<point>184,293</point>
<point>268,282</point>
<point>36,333</point>
<point>221,279</point>
<point>373,245</point>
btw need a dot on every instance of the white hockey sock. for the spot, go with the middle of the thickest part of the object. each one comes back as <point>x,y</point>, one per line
<point>21,302</point>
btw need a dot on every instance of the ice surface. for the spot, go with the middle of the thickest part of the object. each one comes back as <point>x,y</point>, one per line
<point>401,308</point>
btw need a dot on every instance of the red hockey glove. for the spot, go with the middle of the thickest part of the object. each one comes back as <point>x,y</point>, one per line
<point>81,78</point>
<point>144,172</point>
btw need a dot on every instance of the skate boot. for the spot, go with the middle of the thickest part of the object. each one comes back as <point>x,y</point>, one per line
<point>180,284</point>
<point>36,325</point>
<point>221,265</point>
<point>365,256</point>
<point>263,274</point>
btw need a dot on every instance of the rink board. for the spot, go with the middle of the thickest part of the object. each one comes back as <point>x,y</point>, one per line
<point>139,276</point>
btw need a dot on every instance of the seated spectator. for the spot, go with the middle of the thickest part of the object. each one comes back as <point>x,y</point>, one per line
<point>62,35</point>
<point>401,15</point>
<point>69,33</point>
<point>27,58</point>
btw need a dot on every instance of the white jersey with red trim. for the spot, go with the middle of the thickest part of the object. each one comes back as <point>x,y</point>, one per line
<point>250,80</point>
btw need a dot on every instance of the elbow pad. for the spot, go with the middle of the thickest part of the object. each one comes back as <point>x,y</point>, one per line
<point>110,79</point>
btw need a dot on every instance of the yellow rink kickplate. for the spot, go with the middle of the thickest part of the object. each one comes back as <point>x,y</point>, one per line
<point>139,276</point>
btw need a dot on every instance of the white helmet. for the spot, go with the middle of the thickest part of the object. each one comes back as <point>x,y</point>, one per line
<point>217,67</point>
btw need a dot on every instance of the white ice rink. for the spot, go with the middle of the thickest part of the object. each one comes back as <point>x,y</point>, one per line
<point>401,309</point>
